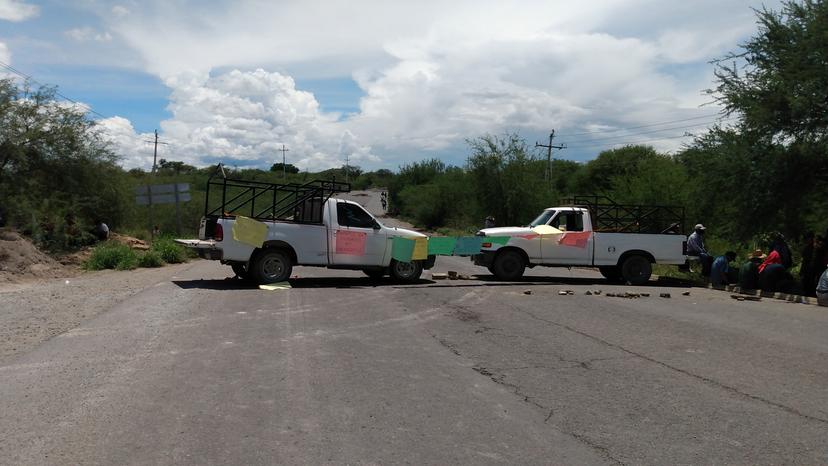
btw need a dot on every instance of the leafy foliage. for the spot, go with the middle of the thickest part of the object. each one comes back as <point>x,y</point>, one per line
<point>169,251</point>
<point>112,255</point>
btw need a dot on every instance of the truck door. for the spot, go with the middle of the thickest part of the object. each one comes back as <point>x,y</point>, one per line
<point>566,249</point>
<point>360,243</point>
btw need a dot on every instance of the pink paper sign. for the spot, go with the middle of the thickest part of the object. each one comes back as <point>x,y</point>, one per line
<point>350,243</point>
<point>578,239</point>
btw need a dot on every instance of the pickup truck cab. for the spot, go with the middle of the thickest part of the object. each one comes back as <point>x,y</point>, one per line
<point>618,255</point>
<point>289,243</point>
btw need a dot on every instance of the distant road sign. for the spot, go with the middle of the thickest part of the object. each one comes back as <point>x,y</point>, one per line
<point>162,189</point>
<point>162,193</point>
<point>162,198</point>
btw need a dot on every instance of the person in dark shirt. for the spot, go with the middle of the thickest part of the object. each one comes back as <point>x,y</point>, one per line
<point>806,270</point>
<point>720,269</point>
<point>822,289</point>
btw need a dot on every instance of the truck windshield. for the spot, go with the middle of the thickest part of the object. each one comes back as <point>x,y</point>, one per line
<point>542,218</point>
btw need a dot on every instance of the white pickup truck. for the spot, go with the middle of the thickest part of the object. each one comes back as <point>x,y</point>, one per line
<point>618,255</point>
<point>303,223</point>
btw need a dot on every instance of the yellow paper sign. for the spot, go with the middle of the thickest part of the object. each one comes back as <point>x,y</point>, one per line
<point>420,249</point>
<point>546,230</point>
<point>276,286</point>
<point>249,231</point>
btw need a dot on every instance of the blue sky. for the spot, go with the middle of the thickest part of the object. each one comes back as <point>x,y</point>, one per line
<point>383,83</point>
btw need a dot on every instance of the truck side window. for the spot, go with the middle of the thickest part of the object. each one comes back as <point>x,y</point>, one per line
<point>350,215</point>
<point>569,221</point>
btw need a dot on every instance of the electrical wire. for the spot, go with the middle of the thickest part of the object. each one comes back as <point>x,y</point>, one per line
<point>620,136</point>
<point>701,117</point>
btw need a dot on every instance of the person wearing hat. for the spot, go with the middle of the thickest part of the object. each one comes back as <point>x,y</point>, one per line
<point>749,272</point>
<point>489,222</point>
<point>822,289</point>
<point>695,248</point>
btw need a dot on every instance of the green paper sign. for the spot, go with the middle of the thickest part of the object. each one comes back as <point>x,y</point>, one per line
<point>501,240</point>
<point>402,249</point>
<point>441,245</point>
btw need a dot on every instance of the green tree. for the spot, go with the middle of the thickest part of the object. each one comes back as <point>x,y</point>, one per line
<point>776,157</point>
<point>289,168</point>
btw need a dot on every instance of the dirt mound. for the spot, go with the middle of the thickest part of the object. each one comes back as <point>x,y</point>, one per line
<point>20,259</point>
<point>130,241</point>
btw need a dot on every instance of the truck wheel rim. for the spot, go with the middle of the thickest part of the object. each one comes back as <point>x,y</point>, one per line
<point>273,267</point>
<point>404,269</point>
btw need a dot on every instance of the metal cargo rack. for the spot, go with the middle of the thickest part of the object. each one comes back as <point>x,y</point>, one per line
<point>610,217</point>
<point>293,202</point>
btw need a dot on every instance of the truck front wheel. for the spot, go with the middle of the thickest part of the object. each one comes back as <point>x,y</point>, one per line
<point>406,271</point>
<point>271,266</point>
<point>636,270</point>
<point>509,265</point>
<point>611,272</point>
<point>240,269</point>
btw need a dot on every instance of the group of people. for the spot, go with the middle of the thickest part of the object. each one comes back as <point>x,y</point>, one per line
<point>768,272</point>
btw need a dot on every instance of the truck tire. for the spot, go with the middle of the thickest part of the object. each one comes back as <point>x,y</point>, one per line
<point>240,269</point>
<point>375,274</point>
<point>406,271</point>
<point>271,266</point>
<point>636,270</point>
<point>509,265</point>
<point>611,272</point>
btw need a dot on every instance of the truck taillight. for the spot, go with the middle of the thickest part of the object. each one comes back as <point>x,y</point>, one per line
<point>486,245</point>
<point>218,233</point>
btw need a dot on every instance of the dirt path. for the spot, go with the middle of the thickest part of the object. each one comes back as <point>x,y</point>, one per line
<point>35,311</point>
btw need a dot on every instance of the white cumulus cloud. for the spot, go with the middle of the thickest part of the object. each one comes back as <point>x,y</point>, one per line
<point>16,10</point>
<point>431,74</point>
<point>243,118</point>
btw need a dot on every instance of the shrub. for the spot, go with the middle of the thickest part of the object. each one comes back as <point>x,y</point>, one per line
<point>111,255</point>
<point>169,250</point>
<point>150,259</point>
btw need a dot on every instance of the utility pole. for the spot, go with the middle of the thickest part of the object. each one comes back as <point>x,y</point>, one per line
<point>347,158</point>
<point>152,178</point>
<point>549,147</point>
<point>284,167</point>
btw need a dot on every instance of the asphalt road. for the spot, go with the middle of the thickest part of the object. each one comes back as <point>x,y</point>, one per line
<point>199,369</point>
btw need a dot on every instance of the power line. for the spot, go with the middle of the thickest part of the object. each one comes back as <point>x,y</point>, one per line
<point>646,126</point>
<point>641,141</point>
<point>704,123</point>
<point>30,78</point>
<point>88,107</point>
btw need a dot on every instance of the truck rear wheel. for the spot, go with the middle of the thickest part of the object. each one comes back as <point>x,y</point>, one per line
<point>271,266</point>
<point>636,270</point>
<point>611,272</point>
<point>240,269</point>
<point>375,274</point>
<point>406,271</point>
<point>509,265</point>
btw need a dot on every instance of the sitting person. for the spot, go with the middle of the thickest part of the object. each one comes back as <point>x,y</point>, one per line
<point>749,272</point>
<point>696,248</point>
<point>721,268</point>
<point>822,289</point>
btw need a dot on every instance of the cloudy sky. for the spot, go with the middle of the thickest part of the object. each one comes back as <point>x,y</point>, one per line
<point>380,82</point>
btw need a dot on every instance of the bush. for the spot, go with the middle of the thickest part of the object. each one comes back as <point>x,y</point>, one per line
<point>111,255</point>
<point>169,250</point>
<point>150,259</point>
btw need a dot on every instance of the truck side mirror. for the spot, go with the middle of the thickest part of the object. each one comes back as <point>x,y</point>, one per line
<point>376,225</point>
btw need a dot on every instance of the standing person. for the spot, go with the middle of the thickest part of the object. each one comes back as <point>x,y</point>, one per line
<point>721,268</point>
<point>489,222</point>
<point>101,230</point>
<point>695,247</point>
<point>822,289</point>
<point>806,270</point>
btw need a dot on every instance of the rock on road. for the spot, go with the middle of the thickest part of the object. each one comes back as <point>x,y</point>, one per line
<point>197,369</point>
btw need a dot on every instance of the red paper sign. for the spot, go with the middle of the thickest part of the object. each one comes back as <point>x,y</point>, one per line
<point>350,243</point>
<point>578,239</point>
